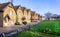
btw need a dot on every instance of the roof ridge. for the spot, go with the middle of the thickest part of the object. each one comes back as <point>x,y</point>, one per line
<point>3,5</point>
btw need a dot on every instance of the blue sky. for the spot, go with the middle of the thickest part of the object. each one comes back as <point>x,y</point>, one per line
<point>40,6</point>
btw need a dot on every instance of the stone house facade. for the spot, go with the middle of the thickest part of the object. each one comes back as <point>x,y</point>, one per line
<point>7,15</point>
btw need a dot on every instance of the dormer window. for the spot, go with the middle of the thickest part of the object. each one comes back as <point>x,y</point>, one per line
<point>10,13</point>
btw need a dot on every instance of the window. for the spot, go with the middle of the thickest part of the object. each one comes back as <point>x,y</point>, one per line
<point>6,24</point>
<point>10,13</point>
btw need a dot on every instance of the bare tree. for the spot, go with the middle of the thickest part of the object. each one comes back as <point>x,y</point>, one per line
<point>47,15</point>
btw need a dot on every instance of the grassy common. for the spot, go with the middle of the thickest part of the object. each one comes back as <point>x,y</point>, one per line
<point>30,34</point>
<point>52,27</point>
<point>43,29</point>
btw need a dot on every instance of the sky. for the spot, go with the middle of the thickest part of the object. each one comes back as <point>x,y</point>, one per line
<point>40,6</point>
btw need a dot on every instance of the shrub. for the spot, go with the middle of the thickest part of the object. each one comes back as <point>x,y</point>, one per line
<point>23,18</point>
<point>24,22</point>
<point>17,23</point>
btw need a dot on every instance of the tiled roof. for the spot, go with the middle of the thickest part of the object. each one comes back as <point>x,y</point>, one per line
<point>38,15</point>
<point>2,6</point>
<point>32,12</point>
<point>54,16</point>
<point>28,10</point>
<point>16,7</point>
<point>23,8</point>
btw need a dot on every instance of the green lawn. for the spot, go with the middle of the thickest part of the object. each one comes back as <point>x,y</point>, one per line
<point>29,34</point>
<point>52,27</point>
<point>43,29</point>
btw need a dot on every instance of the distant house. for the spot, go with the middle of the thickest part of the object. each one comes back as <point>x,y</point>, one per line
<point>54,17</point>
<point>41,17</point>
<point>7,14</point>
<point>19,14</point>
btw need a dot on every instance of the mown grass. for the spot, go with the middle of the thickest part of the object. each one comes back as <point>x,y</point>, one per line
<point>52,27</point>
<point>49,27</point>
<point>29,34</point>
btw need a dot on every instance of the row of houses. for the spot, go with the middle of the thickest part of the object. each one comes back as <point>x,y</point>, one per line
<point>10,14</point>
<point>57,17</point>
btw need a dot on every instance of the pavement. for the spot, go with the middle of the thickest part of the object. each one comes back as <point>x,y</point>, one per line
<point>9,31</point>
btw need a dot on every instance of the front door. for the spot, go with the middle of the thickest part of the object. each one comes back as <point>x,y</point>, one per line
<point>6,22</point>
<point>6,19</point>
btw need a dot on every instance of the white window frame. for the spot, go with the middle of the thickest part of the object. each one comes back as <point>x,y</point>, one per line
<point>10,12</point>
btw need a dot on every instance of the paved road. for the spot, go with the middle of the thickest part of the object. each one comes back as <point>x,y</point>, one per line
<point>13,29</point>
